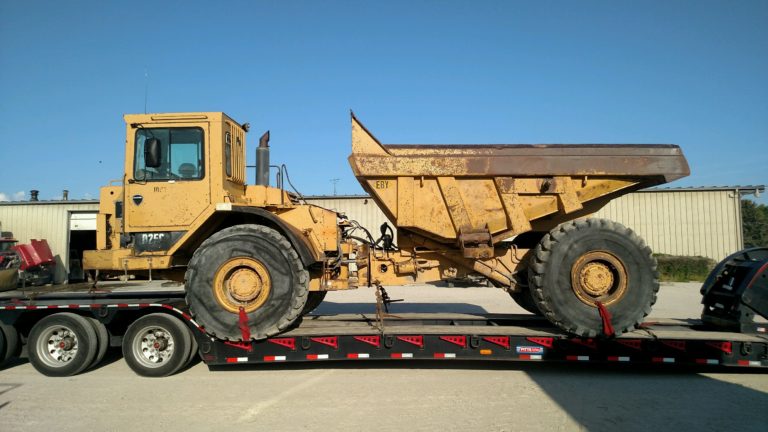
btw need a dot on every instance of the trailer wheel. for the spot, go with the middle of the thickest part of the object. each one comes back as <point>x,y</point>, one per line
<point>9,343</point>
<point>156,345</point>
<point>62,344</point>
<point>250,269</point>
<point>524,299</point>
<point>102,335</point>
<point>583,262</point>
<point>314,298</point>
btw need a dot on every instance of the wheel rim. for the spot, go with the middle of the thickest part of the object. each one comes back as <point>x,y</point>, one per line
<point>57,346</point>
<point>153,346</point>
<point>599,276</point>
<point>242,282</point>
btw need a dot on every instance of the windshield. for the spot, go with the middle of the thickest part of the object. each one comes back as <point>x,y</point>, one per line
<point>181,154</point>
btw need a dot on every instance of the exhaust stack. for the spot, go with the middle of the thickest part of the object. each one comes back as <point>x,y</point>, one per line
<point>262,160</point>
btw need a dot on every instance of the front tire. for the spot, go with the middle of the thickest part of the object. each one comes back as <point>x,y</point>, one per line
<point>248,268</point>
<point>583,262</point>
<point>314,298</point>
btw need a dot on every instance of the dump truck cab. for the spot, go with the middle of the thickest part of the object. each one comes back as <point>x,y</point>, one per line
<point>184,179</point>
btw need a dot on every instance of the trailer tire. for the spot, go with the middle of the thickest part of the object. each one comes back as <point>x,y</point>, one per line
<point>156,345</point>
<point>524,299</point>
<point>314,298</point>
<point>251,269</point>
<point>102,335</point>
<point>585,261</point>
<point>9,343</point>
<point>62,344</point>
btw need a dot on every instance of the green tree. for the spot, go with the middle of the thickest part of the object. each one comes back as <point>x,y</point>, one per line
<point>754,219</point>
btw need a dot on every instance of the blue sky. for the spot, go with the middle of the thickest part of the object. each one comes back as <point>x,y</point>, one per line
<point>693,73</point>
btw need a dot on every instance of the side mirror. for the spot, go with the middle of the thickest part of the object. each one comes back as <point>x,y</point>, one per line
<point>152,153</point>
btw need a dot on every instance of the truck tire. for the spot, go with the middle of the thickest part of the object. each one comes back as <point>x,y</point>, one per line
<point>156,345</point>
<point>102,335</point>
<point>314,298</point>
<point>583,262</point>
<point>62,344</point>
<point>524,299</point>
<point>9,343</point>
<point>248,268</point>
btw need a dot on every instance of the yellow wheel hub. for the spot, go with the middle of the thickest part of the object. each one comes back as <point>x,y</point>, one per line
<point>242,282</point>
<point>599,276</point>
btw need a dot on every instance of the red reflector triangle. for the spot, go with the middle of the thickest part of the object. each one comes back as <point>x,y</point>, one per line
<point>370,340</point>
<point>458,340</point>
<point>678,345</point>
<point>725,347</point>
<point>543,341</point>
<point>289,343</point>
<point>331,341</point>
<point>498,340</point>
<point>416,340</point>
<point>632,343</point>
<point>591,343</point>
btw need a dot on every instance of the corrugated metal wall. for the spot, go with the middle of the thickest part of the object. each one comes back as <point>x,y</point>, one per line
<point>359,208</point>
<point>682,222</point>
<point>675,222</point>
<point>44,220</point>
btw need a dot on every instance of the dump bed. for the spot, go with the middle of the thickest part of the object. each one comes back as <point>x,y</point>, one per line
<point>446,191</point>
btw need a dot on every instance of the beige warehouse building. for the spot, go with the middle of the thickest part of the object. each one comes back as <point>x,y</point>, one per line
<point>675,221</point>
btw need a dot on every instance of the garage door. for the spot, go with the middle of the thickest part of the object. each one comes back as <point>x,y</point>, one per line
<point>85,221</point>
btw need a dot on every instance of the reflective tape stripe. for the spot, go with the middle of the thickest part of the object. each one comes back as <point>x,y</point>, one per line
<point>237,359</point>
<point>530,356</point>
<point>317,356</point>
<point>577,358</point>
<point>274,358</point>
<point>445,355</point>
<point>618,358</point>
<point>401,355</point>
<point>358,355</point>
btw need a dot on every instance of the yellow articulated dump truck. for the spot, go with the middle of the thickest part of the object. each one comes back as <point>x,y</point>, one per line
<point>255,258</point>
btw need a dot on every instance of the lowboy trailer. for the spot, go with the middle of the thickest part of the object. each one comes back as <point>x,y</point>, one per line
<point>68,331</point>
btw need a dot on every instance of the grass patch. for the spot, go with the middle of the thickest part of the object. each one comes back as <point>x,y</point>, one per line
<point>673,268</point>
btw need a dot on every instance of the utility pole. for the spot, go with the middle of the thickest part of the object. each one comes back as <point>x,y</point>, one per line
<point>334,181</point>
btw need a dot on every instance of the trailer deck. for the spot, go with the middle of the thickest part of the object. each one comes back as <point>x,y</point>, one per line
<point>403,336</point>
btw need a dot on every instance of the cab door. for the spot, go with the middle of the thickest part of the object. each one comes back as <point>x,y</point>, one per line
<point>169,195</point>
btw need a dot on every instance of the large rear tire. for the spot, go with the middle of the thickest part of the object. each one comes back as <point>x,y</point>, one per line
<point>251,268</point>
<point>524,299</point>
<point>583,262</point>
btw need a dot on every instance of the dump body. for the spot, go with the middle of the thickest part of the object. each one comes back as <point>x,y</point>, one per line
<point>473,196</point>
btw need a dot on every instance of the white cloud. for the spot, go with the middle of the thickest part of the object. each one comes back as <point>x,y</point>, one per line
<point>18,196</point>
<point>87,196</point>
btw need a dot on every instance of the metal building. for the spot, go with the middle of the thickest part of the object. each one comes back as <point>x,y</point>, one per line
<point>68,226</point>
<point>676,221</point>
<point>704,221</point>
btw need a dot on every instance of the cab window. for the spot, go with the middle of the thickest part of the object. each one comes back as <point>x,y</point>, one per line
<point>181,154</point>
